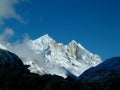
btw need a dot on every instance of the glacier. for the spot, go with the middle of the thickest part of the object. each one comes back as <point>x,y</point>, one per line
<point>46,56</point>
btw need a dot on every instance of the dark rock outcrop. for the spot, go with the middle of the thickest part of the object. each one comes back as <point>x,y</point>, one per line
<point>10,59</point>
<point>105,76</point>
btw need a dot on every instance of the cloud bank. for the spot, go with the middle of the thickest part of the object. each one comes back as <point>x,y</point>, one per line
<point>8,11</point>
<point>6,35</point>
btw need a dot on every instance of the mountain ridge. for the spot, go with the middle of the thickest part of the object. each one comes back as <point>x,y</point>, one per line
<point>45,55</point>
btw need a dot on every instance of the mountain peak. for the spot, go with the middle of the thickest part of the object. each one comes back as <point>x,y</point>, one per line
<point>73,41</point>
<point>55,58</point>
<point>45,38</point>
<point>41,43</point>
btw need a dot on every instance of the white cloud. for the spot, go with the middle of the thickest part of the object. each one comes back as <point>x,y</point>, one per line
<point>8,32</point>
<point>7,9</point>
<point>6,35</point>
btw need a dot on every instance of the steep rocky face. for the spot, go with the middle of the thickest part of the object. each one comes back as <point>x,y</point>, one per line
<point>106,72</point>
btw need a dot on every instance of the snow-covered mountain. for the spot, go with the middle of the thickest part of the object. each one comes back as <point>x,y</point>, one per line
<point>45,55</point>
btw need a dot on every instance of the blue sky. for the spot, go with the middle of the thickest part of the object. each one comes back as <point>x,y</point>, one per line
<point>93,23</point>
